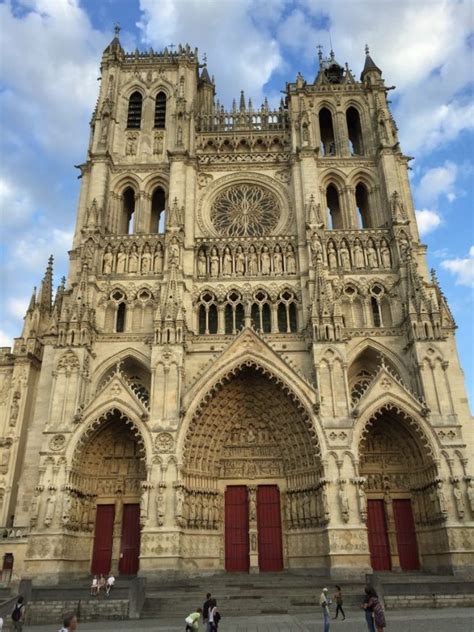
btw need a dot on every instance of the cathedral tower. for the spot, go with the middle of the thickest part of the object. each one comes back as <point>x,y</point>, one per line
<point>249,366</point>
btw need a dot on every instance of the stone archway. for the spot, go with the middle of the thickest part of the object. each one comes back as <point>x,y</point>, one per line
<point>108,469</point>
<point>405,499</point>
<point>251,433</point>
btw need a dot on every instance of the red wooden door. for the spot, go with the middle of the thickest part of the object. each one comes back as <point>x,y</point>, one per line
<point>378,538</point>
<point>130,546</point>
<point>406,535</point>
<point>103,539</point>
<point>270,550</point>
<point>236,529</point>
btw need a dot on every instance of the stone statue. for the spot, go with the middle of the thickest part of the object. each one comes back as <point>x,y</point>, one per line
<point>358,255</point>
<point>50,507</point>
<point>35,507</point>
<point>441,499</point>
<point>265,261</point>
<point>146,259</point>
<point>158,144</point>
<point>179,506</point>
<point>179,135</point>
<point>201,264</point>
<point>362,500</point>
<point>15,408</point>
<point>385,254</point>
<point>133,259</point>
<point>131,146</point>
<point>158,259</point>
<point>227,262</point>
<point>252,505</point>
<point>239,261</point>
<point>277,260</point>
<point>345,257</point>
<point>371,255</point>
<point>252,261</point>
<point>470,494</point>
<point>398,209</point>
<point>458,499</point>
<point>332,256</point>
<point>290,260</point>
<point>343,501</point>
<point>174,252</point>
<point>317,248</point>
<point>214,263</point>
<point>121,260</point>
<point>108,261</point>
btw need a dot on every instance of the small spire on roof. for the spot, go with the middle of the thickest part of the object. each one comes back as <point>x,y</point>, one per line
<point>367,51</point>
<point>320,54</point>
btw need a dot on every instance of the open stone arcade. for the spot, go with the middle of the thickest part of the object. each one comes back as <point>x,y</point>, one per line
<point>249,366</point>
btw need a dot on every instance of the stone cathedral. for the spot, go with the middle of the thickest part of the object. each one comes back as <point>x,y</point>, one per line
<point>249,367</point>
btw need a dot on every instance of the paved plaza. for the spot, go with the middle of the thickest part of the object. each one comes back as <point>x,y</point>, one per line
<point>422,620</point>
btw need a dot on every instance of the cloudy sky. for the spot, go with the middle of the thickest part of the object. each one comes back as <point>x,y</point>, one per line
<point>49,64</point>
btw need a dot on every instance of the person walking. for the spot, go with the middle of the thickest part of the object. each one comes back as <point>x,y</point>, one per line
<point>377,608</point>
<point>369,614</point>
<point>192,620</point>
<point>324,603</point>
<point>18,614</point>
<point>214,617</point>
<point>69,623</point>
<point>205,609</point>
<point>339,601</point>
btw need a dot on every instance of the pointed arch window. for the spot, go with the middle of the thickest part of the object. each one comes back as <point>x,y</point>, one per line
<point>234,313</point>
<point>160,110</point>
<point>157,216</point>
<point>363,206</point>
<point>287,313</point>
<point>334,208</point>
<point>375,311</point>
<point>128,210</point>
<point>207,314</point>
<point>354,130</point>
<point>326,130</point>
<point>261,313</point>
<point>121,316</point>
<point>134,117</point>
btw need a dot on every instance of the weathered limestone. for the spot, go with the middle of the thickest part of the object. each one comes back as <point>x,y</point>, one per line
<point>247,304</point>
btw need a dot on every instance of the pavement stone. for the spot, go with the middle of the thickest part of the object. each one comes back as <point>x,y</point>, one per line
<point>416,620</point>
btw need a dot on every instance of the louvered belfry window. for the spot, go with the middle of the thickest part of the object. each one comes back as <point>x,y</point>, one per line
<point>134,111</point>
<point>160,110</point>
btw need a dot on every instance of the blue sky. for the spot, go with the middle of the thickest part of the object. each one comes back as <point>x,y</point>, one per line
<point>49,64</point>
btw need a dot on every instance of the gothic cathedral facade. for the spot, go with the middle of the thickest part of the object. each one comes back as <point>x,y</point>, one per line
<point>249,367</point>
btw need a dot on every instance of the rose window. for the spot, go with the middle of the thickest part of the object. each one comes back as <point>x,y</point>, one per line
<point>245,210</point>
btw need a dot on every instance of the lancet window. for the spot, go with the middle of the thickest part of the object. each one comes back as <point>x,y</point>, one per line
<point>354,130</point>
<point>326,129</point>
<point>287,313</point>
<point>261,313</point>
<point>128,210</point>
<point>157,215</point>
<point>363,206</point>
<point>160,110</point>
<point>134,117</point>
<point>333,204</point>
<point>207,314</point>
<point>234,313</point>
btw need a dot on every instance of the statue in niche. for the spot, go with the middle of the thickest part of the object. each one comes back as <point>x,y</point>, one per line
<point>358,257</point>
<point>201,263</point>
<point>50,507</point>
<point>146,259</point>
<point>332,256</point>
<point>265,260</point>
<point>104,130</point>
<point>398,209</point>
<point>5,460</point>
<point>35,507</point>
<point>252,261</point>
<point>121,260</point>
<point>240,261</point>
<point>179,135</point>
<point>158,144</point>
<point>158,259</point>
<point>290,260</point>
<point>345,257</point>
<point>252,505</point>
<point>317,248</point>
<point>362,500</point>
<point>133,259</point>
<point>343,501</point>
<point>214,263</point>
<point>371,255</point>
<point>441,499</point>
<point>15,408</point>
<point>227,262</point>
<point>131,145</point>
<point>470,494</point>
<point>385,254</point>
<point>458,499</point>
<point>108,261</point>
<point>277,260</point>
<point>174,252</point>
<point>179,507</point>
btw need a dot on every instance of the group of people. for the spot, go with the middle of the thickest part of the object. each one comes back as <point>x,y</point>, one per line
<point>374,612</point>
<point>100,583</point>
<point>209,613</point>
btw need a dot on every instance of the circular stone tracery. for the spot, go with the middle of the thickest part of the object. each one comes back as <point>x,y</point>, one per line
<point>245,210</point>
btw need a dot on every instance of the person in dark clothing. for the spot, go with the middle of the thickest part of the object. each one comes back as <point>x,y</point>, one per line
<point>205,608</point>
<point>338,600</point>
<point>369,615</point>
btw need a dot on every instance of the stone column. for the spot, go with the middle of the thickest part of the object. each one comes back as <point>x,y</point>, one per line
<point>253,532</point>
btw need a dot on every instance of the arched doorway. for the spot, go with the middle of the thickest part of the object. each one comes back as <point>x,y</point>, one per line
<point>251,471</point>
<point>108,468</point>
<point>401,484</point>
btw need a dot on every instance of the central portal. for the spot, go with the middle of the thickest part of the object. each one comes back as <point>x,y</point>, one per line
<point>239,534</point>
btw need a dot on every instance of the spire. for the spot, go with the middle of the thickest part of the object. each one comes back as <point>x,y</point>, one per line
<point>45,296</point>
<point>369,65</point>
<point>242,101</point>
<point>32,303</point>
<point>114,49</point>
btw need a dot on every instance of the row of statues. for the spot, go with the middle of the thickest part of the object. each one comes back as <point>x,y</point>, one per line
<point>246,260</point>
<point>307,508</point>
<point>195,509</point>
<point>355,256</point>
<point>133,259</point>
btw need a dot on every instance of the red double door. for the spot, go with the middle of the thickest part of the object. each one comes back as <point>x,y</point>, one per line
<point>237,546</point>
<point>405,532</point>
<point>103,540</point>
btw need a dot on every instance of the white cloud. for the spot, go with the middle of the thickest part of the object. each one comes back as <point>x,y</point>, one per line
<point>462,268</point>
<point>436,182</point>
<point>242,53</point>
<point>32,251</point>
<point>427,221</point>
<point>17,307</point>
<point>5,340</point>
<point>15,204</point>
